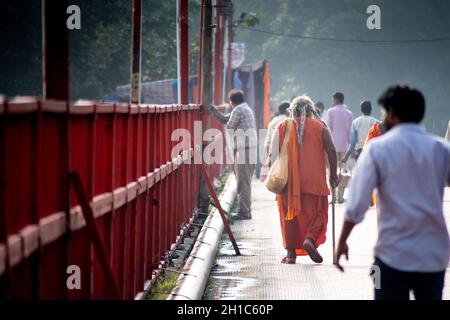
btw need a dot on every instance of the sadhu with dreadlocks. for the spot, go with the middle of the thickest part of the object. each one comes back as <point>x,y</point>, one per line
<point>303,205</point>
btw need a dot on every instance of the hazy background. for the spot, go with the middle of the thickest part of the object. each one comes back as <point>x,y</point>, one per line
<point>100,51</point>
<point>360,70</point>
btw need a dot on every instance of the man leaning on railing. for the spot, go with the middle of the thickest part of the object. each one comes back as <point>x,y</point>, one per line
<point>241,126</point>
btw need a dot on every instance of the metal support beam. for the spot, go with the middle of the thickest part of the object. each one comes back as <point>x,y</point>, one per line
<point>95,236</point>
<point>219,207</point>
<point>135,94</point>
<point>200,54</point>
<point>55,69</point>
<point>183,50</point>
<point>207,52</point>
<point>55,47</point>
<point>206,60</point>
<point>218,53</point>
<point>230,39</point>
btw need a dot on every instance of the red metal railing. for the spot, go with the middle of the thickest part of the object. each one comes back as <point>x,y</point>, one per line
<point>140,196</point>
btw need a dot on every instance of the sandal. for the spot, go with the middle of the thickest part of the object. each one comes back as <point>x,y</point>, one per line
<point>288,260</point>
<point>310,248</point>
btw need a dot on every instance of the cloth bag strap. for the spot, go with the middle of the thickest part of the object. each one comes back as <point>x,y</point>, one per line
<point>287,136</point>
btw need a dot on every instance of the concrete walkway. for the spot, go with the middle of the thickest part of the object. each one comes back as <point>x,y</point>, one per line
<point>258,274</point>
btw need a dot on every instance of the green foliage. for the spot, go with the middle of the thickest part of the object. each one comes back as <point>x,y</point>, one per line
<point>163,286</point>
<point>250,20</point>
<point>21,49</point>
<point>100,53</point>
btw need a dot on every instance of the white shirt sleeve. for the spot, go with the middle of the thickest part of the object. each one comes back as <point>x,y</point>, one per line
<point>364,180</point>
<point>274,149</point>
<point>270,129</point>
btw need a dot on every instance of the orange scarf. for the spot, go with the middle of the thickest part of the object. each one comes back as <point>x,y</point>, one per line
<point>374,132</point>
<point>293,184</point>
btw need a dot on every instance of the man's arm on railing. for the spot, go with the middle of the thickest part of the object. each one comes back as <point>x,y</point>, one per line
<point>223,118</point>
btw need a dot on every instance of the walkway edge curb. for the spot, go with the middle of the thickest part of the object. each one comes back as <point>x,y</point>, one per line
<point>192,282</point>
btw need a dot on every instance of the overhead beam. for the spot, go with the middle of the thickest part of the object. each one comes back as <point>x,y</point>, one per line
<point>218,53</point>
<point>55,49</point>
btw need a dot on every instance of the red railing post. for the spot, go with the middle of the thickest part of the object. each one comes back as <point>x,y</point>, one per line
<point>183,51</point>
<point>148,242</point>
<point>135,94</point>
<point>230,35</point>
<point>203,197</point>
<point>200,53</point>
<point>55,49</point>
<point>82,139</point>
<point>218,53</point>
<point>4,281</point>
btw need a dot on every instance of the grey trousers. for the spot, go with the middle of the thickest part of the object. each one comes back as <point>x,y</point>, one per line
<point>244,174</point>
<point>245,164</point>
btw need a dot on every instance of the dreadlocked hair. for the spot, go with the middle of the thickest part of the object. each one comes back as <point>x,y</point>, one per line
<point>302,107</point>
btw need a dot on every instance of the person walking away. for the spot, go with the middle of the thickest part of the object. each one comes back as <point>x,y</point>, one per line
<point>320,109</point>
<point>281,115</point>
<point>303,205</point>
<point>360,129</point>
<point>241,122</point>
<point>410,168</point>
<point>339,120</point>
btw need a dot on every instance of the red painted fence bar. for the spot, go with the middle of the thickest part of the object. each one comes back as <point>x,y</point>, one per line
<point>140,196</point>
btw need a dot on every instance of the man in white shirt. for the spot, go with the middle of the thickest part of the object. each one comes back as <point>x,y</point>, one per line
<point>410,169</point>
<point>279,117</point>
<point>360,129</point>
<point>320,108</point>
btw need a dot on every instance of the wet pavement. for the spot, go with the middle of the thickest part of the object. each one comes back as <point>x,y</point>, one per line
<point>258,273</point>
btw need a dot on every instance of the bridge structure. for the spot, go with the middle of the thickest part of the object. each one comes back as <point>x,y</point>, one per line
<point>95,186</point>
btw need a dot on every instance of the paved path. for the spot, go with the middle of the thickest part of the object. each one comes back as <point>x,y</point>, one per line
<point>258,274</point>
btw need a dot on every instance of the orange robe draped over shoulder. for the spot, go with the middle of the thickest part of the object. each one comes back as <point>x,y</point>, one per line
<point>310,176</point>
<point>374,132</point>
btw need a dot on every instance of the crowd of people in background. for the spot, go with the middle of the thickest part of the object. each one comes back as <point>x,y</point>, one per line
<point>407,167</point>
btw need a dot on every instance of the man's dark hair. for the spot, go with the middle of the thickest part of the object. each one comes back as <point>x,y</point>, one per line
<point>319,106</point>
<point>339,96</point>
<point>366,108</point>
<point>236,96</point>
<point>407,103</point>
<point>283,107</point>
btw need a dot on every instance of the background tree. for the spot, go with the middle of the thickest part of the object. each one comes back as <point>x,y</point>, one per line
<point>294,35</point>
<point>100,53</point>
